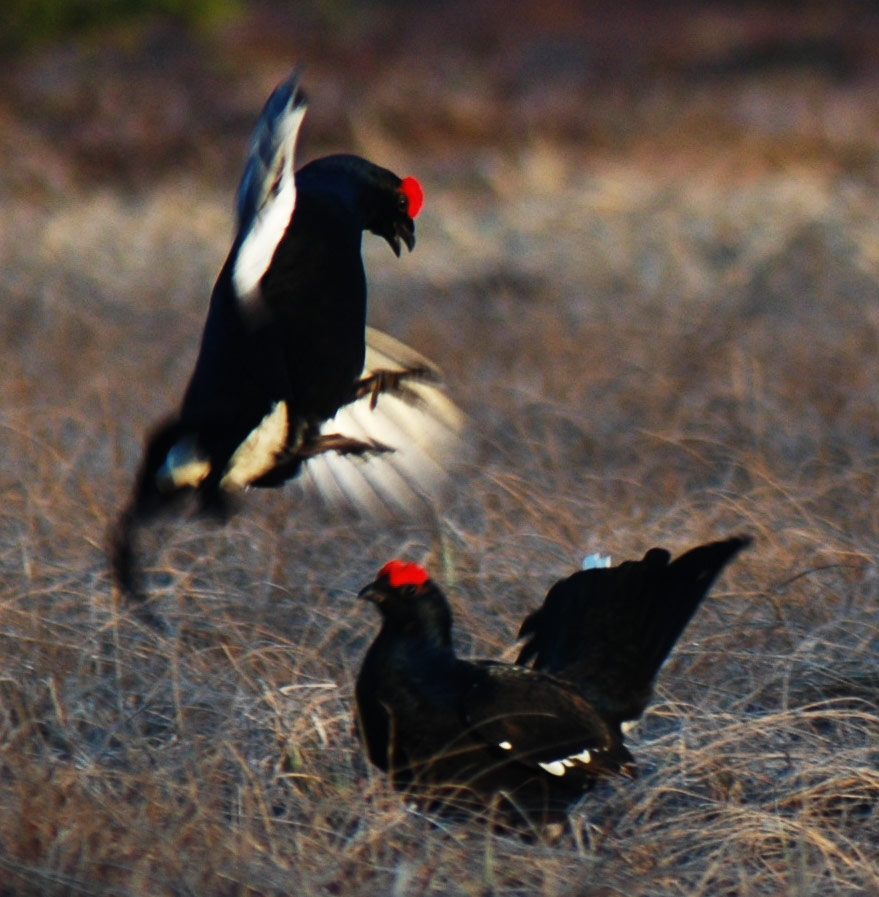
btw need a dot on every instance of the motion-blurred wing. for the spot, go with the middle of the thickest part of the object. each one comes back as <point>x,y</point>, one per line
<point>267,193</point>
<point>416,425</point>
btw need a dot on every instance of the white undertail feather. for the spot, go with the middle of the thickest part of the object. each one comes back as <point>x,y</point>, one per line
<point>258,453</point>
<point>267,192</point>
<point>596,560</point>
<point>422,426</point>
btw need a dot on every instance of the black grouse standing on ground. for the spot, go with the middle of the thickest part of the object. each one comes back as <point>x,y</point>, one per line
<point>459,732</point>
<point>289,379</point>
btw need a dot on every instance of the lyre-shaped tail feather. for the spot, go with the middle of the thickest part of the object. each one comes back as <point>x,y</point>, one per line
<point>685,584</point>
<point>608,631</point>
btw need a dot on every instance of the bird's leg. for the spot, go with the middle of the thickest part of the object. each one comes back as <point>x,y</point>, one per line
<point>390,381</point>
<point>337,442</point>
<point>309,443</point>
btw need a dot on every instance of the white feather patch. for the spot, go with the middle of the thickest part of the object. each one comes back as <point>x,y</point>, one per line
<point>258,452</point>
<point>559,767</point>
<point>183,466</point>
<point>595,561</point>
<point>274,210</point>
<point>554,767</point>
<point>505,746</point>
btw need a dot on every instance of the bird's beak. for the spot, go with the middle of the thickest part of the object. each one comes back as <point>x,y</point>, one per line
<point>404,232</point>
<point>372,593</point>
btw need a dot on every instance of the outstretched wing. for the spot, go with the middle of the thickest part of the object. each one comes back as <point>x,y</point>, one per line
<point>608,631</point>
<point>414,425</point>
<point>267,193</point>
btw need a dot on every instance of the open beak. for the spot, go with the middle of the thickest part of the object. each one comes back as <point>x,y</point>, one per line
<point>404,232</point>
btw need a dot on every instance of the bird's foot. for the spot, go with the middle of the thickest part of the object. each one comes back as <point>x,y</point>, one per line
<point>337,442</point>
<point>391,382</point>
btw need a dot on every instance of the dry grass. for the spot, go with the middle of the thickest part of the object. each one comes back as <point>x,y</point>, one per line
<point>662,337</point>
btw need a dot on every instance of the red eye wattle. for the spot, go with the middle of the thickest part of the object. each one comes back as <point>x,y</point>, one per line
<point>411,189</point>
<point>400,574</point>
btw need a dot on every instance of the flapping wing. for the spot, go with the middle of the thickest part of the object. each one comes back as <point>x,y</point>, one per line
<point>267,193</point>
<point>415,426</point>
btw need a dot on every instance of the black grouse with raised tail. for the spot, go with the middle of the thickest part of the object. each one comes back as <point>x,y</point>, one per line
<point>462,733</point>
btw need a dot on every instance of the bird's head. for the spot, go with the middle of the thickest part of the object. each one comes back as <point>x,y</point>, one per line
<point>409,600</point>
<point>393,204</point>
<point>380,201</point>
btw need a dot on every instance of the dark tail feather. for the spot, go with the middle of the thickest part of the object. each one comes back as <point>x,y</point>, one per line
<point>608,631</point>
<point>123,561</point>
<point>126,570</point>
<point>685,583</point>
<point>146,502</point>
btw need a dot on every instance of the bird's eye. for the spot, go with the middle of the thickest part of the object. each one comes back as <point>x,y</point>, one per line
<point>409,591</point>
<point>403,202</point>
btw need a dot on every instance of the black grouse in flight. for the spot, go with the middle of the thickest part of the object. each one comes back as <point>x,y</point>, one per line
<point>462,732</point>
<point>289,379</point>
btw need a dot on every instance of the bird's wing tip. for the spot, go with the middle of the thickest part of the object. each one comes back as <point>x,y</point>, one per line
<point>266,195</point>
<point>288,94</point>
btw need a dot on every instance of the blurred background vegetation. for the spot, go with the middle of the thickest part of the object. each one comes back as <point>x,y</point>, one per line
<point>648,263</point>
<point>26,23</point>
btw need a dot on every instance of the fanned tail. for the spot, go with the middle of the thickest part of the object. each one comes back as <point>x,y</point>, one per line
<point>609,630</point>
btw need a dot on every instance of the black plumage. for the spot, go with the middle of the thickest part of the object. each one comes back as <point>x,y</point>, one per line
<point>285,359</point>
<point>609,630</point>
<point>463,733</point>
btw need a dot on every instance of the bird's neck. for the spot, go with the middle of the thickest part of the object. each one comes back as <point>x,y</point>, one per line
<point>411,642</point>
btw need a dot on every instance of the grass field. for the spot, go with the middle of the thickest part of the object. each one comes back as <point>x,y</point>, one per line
<point>656,294</point>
